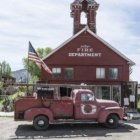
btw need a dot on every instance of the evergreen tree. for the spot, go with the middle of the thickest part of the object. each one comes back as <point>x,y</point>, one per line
<point>5,68</point>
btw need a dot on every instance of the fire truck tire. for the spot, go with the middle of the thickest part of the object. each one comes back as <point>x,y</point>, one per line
<point>112,121</point>
<point>41,122</point>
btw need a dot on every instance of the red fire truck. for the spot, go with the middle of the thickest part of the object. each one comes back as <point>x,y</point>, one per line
<point>48,106</point>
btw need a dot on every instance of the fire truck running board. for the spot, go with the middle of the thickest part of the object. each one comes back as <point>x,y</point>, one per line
<point>72,121</point>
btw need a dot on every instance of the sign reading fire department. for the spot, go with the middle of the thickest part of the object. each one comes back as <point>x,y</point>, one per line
<point>84,51</point>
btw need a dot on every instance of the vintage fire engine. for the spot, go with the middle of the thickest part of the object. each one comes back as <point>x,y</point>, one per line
<point>48,106</point>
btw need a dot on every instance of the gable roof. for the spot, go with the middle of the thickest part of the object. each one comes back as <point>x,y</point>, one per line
<point>79,1</point>
<point>86,29</point>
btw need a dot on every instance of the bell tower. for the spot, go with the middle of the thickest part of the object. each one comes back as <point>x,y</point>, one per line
<point>89,7</point>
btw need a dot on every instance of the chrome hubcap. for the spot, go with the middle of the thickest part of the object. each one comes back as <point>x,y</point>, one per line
<point>41,122</point>
<point>111,121</point>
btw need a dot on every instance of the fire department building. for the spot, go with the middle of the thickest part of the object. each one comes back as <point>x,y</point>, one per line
<point>89,59</point>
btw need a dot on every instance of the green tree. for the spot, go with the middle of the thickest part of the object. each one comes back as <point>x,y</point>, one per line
<point>42,52</point>
<point>32,67</point>
<point>5,68</point>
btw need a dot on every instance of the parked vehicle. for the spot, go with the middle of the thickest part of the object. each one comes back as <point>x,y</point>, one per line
<point>81,106</point>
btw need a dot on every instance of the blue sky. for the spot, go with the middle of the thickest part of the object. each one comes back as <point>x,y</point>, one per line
<point>47,23</point>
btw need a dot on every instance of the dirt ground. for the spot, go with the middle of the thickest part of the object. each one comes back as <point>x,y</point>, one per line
<point>9,129</point>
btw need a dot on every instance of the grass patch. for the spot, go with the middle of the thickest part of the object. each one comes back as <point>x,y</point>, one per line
<point>1,102</point>
<point>138,106</point>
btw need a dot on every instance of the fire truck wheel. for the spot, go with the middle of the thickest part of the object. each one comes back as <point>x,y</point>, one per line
<point>112,121</point>
<point>41,122</point>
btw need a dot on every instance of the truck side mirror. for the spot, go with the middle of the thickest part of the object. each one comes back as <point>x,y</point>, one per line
<point>91,97</point>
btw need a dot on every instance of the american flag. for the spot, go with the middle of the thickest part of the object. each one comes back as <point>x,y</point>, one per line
<point>32,55</point>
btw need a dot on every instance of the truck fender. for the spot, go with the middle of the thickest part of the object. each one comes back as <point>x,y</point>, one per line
<point>105,112</point>
<point>31,113</point>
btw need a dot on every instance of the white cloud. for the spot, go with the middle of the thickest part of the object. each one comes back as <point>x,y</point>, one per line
<point>136,69</point>
<point>36,20</point>
<point>122,3</point>
<point>116,25</point>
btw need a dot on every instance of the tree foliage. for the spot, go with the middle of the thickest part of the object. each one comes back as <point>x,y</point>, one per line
<point>42,52</point>
<point>5,68</point>
<point>31,66</point>
<point>33,69</point>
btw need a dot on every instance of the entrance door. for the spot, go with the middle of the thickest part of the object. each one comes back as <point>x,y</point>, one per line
<point>116,94</point>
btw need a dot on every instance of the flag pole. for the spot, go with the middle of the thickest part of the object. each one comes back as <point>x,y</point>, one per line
<point>28,71</point>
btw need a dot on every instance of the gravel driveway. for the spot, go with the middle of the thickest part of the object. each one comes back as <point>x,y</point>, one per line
<point>24,130</point>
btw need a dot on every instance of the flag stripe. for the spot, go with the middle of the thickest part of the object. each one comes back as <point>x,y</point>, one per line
<point>32,55</point>
<point>37,61</point>
<point>34,58</point>
<point>46,67</point>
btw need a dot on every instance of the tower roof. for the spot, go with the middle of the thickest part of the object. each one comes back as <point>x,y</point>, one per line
<point>89,1</point>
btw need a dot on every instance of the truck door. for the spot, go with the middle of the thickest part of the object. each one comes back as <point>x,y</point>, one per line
<point>86,107</point>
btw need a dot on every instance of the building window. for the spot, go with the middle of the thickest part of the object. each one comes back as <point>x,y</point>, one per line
<point>56,72</point>
<point>100,73</point>
<point>103,92</point>
<point>113,73</point>
<point>68,73</point>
